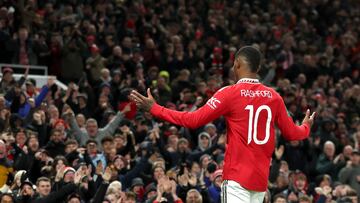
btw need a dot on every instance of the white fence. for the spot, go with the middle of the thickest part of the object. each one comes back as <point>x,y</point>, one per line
<point>38,73</point>
<point>21,68</point>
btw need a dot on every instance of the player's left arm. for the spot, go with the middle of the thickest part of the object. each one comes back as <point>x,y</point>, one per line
<point>215,107</point>
<point>288,128</point>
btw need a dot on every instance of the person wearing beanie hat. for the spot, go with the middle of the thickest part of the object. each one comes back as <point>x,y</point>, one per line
<point>28,183</point>
<point>212,130</point>
<point>69,174</point>
<point>137,186</point>
<point>209,125</point>
<point>137,182</point>
<point>165,74</point>
<point>18,179</point>
<point>183,145</point>
<point>215,188</point>
<point>105,84</point>
<point>246,106</point>
<point>163,89</point>
<point>7,70</point>
<point>26,191</point>
<point>183,141</point>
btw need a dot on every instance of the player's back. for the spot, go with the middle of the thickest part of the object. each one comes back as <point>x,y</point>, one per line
<point>251,133</point>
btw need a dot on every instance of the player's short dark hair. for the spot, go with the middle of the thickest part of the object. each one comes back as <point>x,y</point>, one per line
<point>252,56</point>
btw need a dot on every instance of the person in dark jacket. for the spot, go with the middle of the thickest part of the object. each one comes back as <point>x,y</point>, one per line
<point>22,48</point>
<point>26,155</point>
<point>44,194</point>
<point>174,158</point>
<point>27,192</point>
<point>327,162</point>
<point>297,155</point>
<point>56,145</point>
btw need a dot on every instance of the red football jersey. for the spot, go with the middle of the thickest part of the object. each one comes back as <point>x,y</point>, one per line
<point>251,111</point>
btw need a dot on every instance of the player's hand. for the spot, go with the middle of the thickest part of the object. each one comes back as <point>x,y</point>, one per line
<point>143,102</point>
<point>309,119</point>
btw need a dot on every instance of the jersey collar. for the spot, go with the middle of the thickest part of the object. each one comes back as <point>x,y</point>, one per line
<point>248,80</point>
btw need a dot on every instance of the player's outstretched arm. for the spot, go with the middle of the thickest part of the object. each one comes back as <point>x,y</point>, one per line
<point>214,108</point>
<point>289,129</point>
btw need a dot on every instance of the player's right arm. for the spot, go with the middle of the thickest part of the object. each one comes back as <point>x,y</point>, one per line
<point>288,128</point>
<point>214,108</point>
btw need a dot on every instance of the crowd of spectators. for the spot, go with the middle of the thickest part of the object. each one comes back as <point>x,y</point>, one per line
<point>89,143</point>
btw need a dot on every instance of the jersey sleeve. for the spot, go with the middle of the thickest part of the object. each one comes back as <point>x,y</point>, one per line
<point>288,128</point>
<point>215,107</point>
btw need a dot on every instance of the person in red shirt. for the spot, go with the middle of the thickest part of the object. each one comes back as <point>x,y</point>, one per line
<point>251,111</point>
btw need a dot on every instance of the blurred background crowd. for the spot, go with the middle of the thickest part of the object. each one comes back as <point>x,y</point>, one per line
<point>89,143</point>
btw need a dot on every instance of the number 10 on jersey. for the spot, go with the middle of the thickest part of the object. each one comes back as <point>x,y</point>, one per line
<point>253,124</point>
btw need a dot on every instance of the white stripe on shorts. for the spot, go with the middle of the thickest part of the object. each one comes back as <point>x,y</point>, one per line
<point>233,192</point>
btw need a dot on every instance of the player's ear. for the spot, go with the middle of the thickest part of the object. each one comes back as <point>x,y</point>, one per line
<point>237,64</point>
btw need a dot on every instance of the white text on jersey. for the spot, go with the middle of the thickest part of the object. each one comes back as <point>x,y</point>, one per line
<point>212,102</point>
<point>257,93</point>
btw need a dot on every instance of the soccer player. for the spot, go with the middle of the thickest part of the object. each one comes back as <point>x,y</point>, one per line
<point>251,111</point>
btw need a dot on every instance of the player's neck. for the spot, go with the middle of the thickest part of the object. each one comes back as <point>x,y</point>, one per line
<point>247,75</point>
